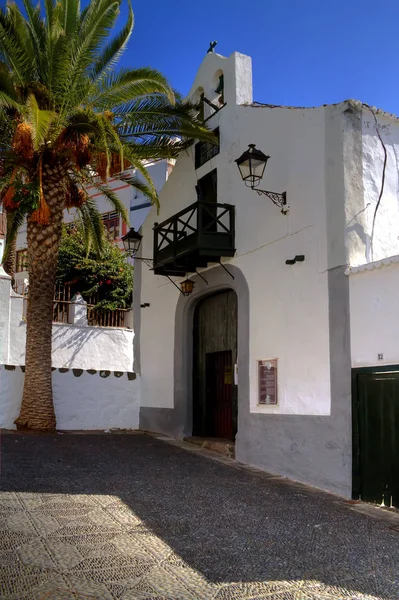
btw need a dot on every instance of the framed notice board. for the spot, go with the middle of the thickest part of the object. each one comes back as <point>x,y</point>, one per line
<point>267,381</point>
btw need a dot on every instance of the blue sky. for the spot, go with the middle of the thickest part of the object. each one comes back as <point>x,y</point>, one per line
<point>305,52</point>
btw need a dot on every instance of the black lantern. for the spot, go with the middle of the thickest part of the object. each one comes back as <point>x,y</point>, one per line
<point>131,241</point>
<point>187,286</point>
<point>252,164</point>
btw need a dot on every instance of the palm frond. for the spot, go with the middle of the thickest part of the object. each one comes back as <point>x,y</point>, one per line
<point>114,201</point>
<point>70,16</point>
<point>12,48</point>
<point>113,51</point>
<point>140,167</point>
<point>39,120</point>
<point>15,220</point>
<point>92,226</point>
<point>135,183</point>
<point>117,88</point>
<point>36,32</point>
<point>94,29</point>
<point>8,102</point>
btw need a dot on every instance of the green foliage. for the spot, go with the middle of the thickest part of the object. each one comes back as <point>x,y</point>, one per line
<point>107,278</point>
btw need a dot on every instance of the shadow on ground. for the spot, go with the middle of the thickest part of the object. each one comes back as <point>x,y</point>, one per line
<point>128,516</point>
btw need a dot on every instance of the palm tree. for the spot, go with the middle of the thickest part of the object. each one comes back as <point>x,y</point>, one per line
<point>75,121</point>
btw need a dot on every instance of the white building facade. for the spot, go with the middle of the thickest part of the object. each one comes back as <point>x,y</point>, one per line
<point>260,351</point>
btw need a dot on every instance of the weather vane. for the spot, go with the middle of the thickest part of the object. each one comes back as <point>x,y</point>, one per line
<point>211,47</point>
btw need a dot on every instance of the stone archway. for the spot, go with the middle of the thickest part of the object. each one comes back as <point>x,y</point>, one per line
<point>218,280</point>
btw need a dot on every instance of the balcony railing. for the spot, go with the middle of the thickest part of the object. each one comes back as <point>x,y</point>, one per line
<point>197,235</point>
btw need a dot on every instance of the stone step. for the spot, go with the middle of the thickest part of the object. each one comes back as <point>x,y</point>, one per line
<point>222,446</point>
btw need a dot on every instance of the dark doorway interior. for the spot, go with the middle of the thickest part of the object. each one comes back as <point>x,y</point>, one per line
<point>376,435</point>
<point>215,354</point>
<point>207,192</point>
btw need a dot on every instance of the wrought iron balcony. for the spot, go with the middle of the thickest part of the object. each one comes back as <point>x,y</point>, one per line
<point>200,234</point>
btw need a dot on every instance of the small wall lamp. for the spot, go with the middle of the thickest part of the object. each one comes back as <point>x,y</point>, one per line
<point>252,164</point>
<point>187,287</point>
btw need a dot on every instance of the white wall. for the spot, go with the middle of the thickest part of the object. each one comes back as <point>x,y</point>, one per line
<point>79,347</point>
<point>82,401</point>
<point>74,346</point>
<point>364,245</point>
<point>288,304</point>
<point>374,293</point>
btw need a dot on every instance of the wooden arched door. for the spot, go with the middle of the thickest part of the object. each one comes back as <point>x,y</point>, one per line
<point>215,356</point>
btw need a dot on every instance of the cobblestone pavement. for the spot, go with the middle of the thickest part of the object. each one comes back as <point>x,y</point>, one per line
<point>128,516</point>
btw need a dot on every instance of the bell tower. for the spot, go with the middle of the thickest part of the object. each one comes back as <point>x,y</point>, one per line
<point>221,80</point>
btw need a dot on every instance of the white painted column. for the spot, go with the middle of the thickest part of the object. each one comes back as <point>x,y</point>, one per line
<point>77,311</point>
<point>5,299</point>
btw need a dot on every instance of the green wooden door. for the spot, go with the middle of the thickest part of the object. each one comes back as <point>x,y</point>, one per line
<point>376,432</point>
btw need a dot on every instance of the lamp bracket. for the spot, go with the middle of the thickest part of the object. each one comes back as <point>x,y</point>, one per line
<point>147,261</point>
<point>279,200</point>
<point>199,275</point>
<point>175,284</point>
<point>227,271</point>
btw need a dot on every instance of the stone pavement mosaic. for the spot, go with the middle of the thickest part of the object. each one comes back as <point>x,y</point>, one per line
<point>120,517</point>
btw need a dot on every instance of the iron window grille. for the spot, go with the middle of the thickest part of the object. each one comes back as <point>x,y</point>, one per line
<point>204,151</point>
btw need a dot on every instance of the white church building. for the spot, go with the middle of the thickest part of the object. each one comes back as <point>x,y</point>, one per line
<point>265,297</point>
<point>288,342</point>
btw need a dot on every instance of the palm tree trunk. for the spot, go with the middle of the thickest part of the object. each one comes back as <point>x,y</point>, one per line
<point>9,263</point>
<point>37,409</point>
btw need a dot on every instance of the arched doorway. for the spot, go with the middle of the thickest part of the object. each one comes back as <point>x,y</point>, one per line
<point>214,360</point>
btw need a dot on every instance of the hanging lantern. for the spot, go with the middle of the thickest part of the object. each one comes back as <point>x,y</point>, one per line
<point>252,164</point>
<point>187,286</point>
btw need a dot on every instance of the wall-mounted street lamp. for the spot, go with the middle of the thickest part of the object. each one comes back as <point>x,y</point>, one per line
<point>252,164</point>
<point>131,242</point>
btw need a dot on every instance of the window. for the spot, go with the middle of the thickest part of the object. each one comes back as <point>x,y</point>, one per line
<point>207,187</point>
<point>204,151</point>
<point>112,223</point>
<point>22,261</point>
<point>220,87</point>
